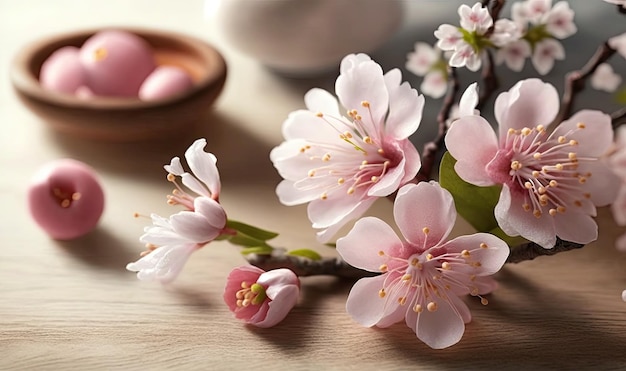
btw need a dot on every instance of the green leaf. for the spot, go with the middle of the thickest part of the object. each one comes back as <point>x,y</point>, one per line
<point>241,239</point>
<point>250,231</point>
<point>475,204</point>
<point>305,253</point>
<point>260,250</point>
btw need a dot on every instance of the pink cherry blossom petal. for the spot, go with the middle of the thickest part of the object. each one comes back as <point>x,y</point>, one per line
<point>333,209</point>
<point>491,257</point>
<point>364,83</point>
<point>515,221</point>
<point>193,226</point>
<point>319,100</point>
<point>212,211</point>
<point>360,209</point>
<point>367,234</point>
<point>364,303</point>
<point>603,186</point>
<point>440,328</point>
<point>306,124</point>
<point>424,214</point>
<point>595,136</point>
<point>461,141</point>
<point>290,195</point>
<point>203,165</point>
<point>576,227</point>
<point>405,111</point>
<point>528,103</point>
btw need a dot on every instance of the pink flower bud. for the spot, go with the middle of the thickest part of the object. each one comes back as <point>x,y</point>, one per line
<point>260,298</point>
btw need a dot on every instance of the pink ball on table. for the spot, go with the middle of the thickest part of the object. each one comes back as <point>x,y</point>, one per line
<point>164,82</point>
<point>116,63</point>
<point>62,71</point>
<point>66,199</point>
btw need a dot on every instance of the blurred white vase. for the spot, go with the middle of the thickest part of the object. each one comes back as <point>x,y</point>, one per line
<point>306,37</point>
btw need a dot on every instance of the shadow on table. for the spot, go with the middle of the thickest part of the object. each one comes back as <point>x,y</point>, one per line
<point>100,249</point>
<point>240,154</point>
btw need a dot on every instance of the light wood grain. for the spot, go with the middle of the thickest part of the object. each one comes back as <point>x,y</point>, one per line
<point>72,305</point>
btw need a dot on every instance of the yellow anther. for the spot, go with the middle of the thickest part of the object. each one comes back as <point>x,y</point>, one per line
<point>418,308</point>
<point>466,254</point>
<point>526,207</point>
<point>511,131</point>
<point>587,195</point>
<point>99,54</point>
<point>554,183</point>
<point>528,185</point>
<point>351,190</point>
<point>472,277</point>
<point>561,209</point>
<point>516,165</point>
<point>429,257</point>
<point>414,262</point>
<point>426,230</point>
<point>537,156</point>
<point>381,253</point>
<point>407,277</point>
<point>541,128</point>
<point>552,212</point>
<point>364,162</point>
<point>319,114</point>
<point>541,190</point>
<point>559,167</point>
<point>526,131</point>
<point>483,245</point>
<point>381,151</point>
<point>311,173</point>
<point>383,268</point>
<point>562,139</point>
<point>382,293</point>
<point>571,156</point>
<point>484,301</point>
<point>368,140</point>
<point>537,214</point>
<point>580,125</point>
<point>536,173</point>
<point>573,142</point>
<point>171,177</point>
<point>446,265</point>
<point>323,196</point>
<point>578,203</point>
<point>341,181</point>
<point>432,306</point>
<point>582,180</point>
<point>474,291</point>
<point>326,157</point>
<point>402,300</point>
<point>365,103</point>
<point>358,117</point>
<point>374,179</point>
<point>347,134</point>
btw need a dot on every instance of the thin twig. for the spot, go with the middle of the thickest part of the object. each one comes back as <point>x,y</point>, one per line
<point>530,250</point>
<point>575,80</point>
<point>429,153</point>
<point>618,117</point>
<point>490,80</point>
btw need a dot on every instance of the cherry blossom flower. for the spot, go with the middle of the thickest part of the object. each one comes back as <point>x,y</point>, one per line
<point>540,25</point>
<point>427,61</point>
<point>619,44</point>
<point>468,42</point>
<point>423,276</point>
<point>617,2</point>
<point>260,298</point>
<point>551,182</point>
<point>170,241</point>
<point>341,165</point>
<point>545,53</point>
<point>604,78</point>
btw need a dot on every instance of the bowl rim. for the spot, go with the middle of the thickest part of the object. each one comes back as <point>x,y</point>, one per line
<point>26,82</point>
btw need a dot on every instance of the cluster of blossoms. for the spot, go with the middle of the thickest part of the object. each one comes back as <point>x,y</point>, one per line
<point>343,152</point>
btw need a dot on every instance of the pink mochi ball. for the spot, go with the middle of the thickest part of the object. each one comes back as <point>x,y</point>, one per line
<point>63,72</point>
<point>65,199</point>
<point>164,82</point>
<point>116,63</point>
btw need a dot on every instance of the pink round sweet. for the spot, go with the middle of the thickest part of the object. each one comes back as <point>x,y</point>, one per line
<point>66,199</point>
<point>63,72</point>
<point>116,63</point>
<point>164,82</point>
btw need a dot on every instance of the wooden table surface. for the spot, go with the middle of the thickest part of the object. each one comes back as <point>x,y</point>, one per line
<point>72,305</point>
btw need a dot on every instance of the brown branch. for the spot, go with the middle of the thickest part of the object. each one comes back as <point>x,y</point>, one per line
<point>575,80</point>
<point>490,80</point>
<point>430,150</point>
<point>618,117</point>
<point>304,267</point>
<point>307,267</point>
<point>530,250</point>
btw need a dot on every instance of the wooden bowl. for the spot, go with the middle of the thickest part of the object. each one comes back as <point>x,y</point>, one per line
<point>123,119</point>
